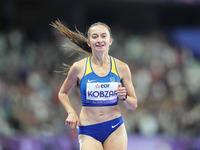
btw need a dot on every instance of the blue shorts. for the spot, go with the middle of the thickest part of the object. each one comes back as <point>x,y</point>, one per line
<point>101,131</point>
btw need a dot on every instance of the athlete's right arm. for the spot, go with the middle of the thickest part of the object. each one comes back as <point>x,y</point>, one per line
<point>71,80</point>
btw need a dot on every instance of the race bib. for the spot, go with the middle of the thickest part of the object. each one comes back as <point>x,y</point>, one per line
<point>101,92</point>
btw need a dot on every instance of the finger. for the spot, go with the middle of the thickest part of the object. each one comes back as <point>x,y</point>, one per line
<point>122,89</point>
<point>120,84</point>
<point>73,126</point>
<point>67,123</point>
<point>121,92</point>
<point>77,125</point>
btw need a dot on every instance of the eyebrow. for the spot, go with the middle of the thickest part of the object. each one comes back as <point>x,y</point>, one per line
<point>98,34</point>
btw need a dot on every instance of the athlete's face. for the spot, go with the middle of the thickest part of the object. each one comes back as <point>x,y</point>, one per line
<point>99,39</point>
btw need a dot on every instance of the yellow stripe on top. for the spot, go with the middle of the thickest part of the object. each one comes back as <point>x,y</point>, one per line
<point>88,67</point>
<point>113,70</point>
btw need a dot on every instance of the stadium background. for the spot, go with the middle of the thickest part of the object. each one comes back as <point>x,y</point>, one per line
<point>159,39</point>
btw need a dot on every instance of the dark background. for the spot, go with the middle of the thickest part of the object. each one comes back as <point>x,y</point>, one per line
<point>137,16</point>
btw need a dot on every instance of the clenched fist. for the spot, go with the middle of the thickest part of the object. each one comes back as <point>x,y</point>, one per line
<point>121,92</point>
<point>72,120</point>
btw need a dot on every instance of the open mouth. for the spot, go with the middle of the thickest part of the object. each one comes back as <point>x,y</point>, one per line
<point>99,45</point>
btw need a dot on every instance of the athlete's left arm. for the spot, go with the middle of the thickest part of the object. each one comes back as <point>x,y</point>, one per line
<point>127,89</point>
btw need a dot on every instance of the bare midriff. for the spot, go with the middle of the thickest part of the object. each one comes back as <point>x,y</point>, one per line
<point>95,115</point>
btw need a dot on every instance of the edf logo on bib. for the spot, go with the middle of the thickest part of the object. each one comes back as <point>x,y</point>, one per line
<point>102,86</point>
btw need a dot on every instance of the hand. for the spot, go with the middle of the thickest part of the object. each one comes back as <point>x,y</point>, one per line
<point>121,91</point>
<point>72,120</point>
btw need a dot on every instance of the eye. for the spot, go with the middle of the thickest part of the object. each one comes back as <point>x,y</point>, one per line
<point>94,36</point>
<point>103,35</point>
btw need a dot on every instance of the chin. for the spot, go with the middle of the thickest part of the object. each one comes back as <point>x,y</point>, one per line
<point>100,51</point>
<point>103,49</point>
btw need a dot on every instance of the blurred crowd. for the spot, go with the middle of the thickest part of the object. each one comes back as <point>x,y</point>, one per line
<point>166,78</point>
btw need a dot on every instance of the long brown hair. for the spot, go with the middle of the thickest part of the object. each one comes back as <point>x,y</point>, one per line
<point>77,38</point>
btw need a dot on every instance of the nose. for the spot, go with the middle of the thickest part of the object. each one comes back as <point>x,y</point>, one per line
<point>100,39</point>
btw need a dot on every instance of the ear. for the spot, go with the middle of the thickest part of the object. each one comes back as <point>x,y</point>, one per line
<point>88,42</point>
<point>111,41</point>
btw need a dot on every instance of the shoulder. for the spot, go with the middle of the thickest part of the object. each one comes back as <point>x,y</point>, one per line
<point>122,67</point>
<point>78,66</point>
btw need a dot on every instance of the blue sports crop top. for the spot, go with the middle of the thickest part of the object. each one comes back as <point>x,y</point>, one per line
<point>99,91</point>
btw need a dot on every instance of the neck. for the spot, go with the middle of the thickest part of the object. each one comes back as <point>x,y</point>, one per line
<point>100,59</point>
